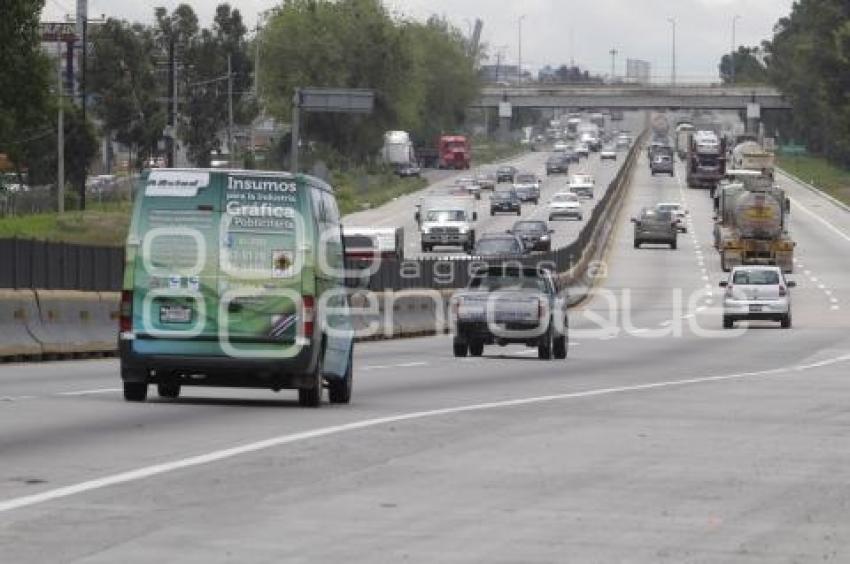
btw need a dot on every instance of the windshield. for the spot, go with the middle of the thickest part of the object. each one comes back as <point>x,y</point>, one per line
<point>498,246</point>
<point>565,198</point>
<point>445,215</point>
<point>530,226</point>
<point>526,178</point>
<point>518,281</point>
<point>756,277</point>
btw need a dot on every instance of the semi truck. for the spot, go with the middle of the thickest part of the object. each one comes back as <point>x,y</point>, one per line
<point>449,151</point>
<point>397,149</point>
<point>683,132</point>
<point>706,159</point>
<point>752,221</point>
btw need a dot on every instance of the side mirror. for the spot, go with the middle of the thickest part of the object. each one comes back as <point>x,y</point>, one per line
<point>791,284</point>
<point>474,216</point>
<point>417,216</point>
<point>551,231</point>
<point>724,284</point>
<point>509,231</point>
<point>634,220</point>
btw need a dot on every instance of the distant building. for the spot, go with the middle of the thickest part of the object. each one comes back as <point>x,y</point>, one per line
<point>638,71</point>
<point>494,74</point>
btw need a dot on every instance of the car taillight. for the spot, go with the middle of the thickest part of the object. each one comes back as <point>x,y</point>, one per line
<point>783,291</point>
<point>541,309</point>
<point>309,315</point>
<point>125,319</point>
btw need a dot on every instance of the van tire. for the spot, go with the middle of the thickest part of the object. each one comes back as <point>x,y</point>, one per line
<point>339,390</point>
<point>135,391</point>
<point>545,345</point>
<point>312,396</point>
<point>559,348</point>
<point>460,348</point>
<point>785,322</point>
<point>169,391</point>
<point>476,348</point>
<point>728,323</point>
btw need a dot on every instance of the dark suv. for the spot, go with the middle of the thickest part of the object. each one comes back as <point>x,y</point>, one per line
<point>557,164</point>
<point>506,174</point>
<point>535,234</point>
<point>655,226</point>
<point>505,201</point>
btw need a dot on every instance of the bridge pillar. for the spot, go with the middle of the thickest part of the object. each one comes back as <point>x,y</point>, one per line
<point>505,129</point>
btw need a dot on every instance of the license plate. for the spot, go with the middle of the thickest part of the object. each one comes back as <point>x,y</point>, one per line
<point>756,309</point>
<point>175,314</point>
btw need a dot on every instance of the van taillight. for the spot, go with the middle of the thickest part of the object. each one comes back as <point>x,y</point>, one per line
<point>125,323</point>
<point>309,313</point>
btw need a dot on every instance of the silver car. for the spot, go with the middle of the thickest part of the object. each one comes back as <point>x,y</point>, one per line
<point>759,293</point>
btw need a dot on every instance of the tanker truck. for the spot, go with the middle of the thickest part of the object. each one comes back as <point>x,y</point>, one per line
<point>752,222</point>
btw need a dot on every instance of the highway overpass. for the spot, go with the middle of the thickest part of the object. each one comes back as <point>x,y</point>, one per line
<point>633,97</point>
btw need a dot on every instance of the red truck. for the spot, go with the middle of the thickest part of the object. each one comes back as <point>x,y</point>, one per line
<point>455,152</point>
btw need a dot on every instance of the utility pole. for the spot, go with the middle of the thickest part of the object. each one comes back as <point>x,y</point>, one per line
<point>613,53</point>
<point>60,133</point>
<point>82,15</point>
<point>519,57</point>
<point>229,109</point>
<point>172,103</point>
<point>256,87</point>
<point>673,68</point>
<point>296,131</point>
<point>734,48</point>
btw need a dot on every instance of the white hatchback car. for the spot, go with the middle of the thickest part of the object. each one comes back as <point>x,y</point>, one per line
<point>678,212</point>
<point>565,204</point>
<point>759,293</point>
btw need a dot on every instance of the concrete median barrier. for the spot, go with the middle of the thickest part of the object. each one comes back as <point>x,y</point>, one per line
<point>17,309</point>
<point>70,323</point>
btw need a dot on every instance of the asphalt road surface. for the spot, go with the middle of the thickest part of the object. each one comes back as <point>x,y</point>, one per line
<point>662,438</point>
<point>400,212</point>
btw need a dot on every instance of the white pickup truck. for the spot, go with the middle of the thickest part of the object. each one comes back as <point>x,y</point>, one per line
<point>506,304</point>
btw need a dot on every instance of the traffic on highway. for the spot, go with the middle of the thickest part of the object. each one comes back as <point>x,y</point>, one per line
<point>434,312</point>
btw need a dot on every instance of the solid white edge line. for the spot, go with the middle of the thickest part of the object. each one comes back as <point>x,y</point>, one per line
<point>827,224</point>
<point>219,455</point>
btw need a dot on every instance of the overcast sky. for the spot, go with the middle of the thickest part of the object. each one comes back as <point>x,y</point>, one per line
<point>554,31</point>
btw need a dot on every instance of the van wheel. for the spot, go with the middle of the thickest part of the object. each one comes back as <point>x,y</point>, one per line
<point>312,396</point>
<point>637,244</point>
<point>476,348</point>
<point>460,348</point>
<point>519,211</point>
<point>339,390</point>
<point>728,323</point>
<point>673,245</point>
<point>170,391</point>
<point>544,346</point>
<point>135,391</point>
<point>786,321</point>
<point>559,349</point>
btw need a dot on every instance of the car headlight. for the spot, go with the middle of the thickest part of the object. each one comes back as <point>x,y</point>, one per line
<point>464,230</point>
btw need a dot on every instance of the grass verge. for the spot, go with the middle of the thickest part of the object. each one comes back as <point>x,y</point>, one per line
<point>357,190</point>
<point>97,226</point>
<point>818,172</point>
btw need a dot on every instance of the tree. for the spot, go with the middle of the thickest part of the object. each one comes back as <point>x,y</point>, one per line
<point>346,44</point>
<point>748,67</point>
<point>25,95</point>
<point>123,78</point>
<point>808,60</point>
<point>206,111</point>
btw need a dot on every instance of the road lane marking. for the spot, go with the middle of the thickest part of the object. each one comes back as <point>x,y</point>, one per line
<point>89,392</point>
<point>274,442</point>
<point>827,224</point>
<point>16,398</point>
<point>401,365</point>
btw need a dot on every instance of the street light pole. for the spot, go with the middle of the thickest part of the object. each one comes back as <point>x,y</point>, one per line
<point>613,63</point>
<point>673,69</point>
<point>519,58</point>
<point>734,47</point>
